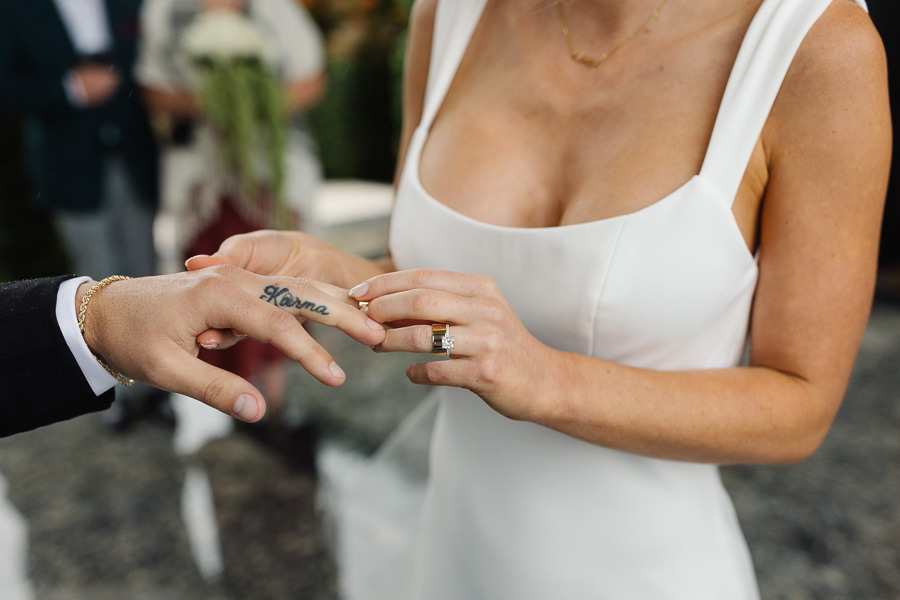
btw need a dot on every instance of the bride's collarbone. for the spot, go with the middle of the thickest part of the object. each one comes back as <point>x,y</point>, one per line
<point>542,172</point>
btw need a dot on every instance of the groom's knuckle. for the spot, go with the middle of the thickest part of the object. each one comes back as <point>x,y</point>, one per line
<point>280,323</point>
<point>215,389</point>
<point>214,280</point>
<point>222,271</point>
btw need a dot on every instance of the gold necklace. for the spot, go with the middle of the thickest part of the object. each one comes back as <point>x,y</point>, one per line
<point>596,62</point>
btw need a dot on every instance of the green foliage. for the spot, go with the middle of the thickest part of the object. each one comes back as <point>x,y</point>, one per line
<point>354,124</point>
<point>245,103</point>
<point>358,122</point>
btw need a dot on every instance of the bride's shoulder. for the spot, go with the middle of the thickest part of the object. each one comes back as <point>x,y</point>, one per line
<point>422,14</point>
<point>841,60</point>
<point>843,40</point>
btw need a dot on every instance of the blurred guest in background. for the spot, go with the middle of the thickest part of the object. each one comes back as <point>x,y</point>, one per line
<point>211,197</point>
<point>68,65</point>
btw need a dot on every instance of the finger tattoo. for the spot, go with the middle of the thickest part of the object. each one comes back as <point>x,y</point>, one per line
<point>283,298</point>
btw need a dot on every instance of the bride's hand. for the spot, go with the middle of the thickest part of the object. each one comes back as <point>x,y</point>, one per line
<point>494,355</point>
<point>268,252</point>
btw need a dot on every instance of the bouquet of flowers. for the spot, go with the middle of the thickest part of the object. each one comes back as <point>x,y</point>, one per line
<point>243,99</point>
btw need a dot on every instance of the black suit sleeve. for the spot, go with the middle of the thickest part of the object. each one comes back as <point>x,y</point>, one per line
<point>41,381</point>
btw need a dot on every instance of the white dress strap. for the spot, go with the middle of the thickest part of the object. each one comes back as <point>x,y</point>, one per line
<point>766,54</point>
<point>454,24</point>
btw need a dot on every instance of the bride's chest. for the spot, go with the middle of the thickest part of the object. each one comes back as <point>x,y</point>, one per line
<point>518,147</point>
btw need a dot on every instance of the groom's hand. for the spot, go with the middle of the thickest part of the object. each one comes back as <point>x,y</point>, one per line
<point>147,329</point>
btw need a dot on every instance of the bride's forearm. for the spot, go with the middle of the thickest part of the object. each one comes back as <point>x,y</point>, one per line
<point>722,416</point>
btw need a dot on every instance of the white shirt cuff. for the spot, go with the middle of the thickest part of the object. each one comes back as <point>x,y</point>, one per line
<point>97,377</point>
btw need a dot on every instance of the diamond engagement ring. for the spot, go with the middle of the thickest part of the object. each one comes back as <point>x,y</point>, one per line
<point>441,340</point>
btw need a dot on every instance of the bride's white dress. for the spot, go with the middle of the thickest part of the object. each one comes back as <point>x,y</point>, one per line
<point>516,511</point>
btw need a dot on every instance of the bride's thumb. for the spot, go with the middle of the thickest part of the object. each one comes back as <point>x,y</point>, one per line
<point>201,261</point>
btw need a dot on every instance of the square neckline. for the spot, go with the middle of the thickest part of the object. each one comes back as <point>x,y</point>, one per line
<point>423,130</point>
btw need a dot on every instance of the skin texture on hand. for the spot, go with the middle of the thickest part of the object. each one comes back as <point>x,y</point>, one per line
<point>147,329</point>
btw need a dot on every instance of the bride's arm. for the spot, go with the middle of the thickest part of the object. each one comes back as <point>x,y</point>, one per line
<point>828,147</point>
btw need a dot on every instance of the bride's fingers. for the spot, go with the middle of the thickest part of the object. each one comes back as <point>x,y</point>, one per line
<point>440,372</point>
<point>462,284</point>
<point>219,339</point>
<point>213,338</point>
<point>425,306</point>
<point>202,261</point>
<point>420,339</point>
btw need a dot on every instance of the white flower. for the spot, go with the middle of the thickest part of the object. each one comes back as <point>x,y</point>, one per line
<point>224,35</point>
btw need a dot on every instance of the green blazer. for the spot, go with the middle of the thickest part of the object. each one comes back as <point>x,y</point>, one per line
<point>66,150</point>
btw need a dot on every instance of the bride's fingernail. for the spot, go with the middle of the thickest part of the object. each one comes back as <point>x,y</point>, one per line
<point>360,290</point>
<point>374,325</point>
<point>335,370</point>
<point>245,408</point>
<point>192,258</point>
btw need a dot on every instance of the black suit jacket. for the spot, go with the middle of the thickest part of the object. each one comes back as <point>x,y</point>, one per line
<point>41,381</point>
<point>66,144</point>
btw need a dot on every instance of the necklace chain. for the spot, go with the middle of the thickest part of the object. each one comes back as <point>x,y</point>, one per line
<point>596,62</point>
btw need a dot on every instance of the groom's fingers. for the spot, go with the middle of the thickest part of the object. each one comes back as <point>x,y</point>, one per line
<point>220,389</point>
<point>303,299</point>
<point>278,327</point>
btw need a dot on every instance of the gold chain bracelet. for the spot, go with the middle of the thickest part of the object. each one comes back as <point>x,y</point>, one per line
<point>82,311</point>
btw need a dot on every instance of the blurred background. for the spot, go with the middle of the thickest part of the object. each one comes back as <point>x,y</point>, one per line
<point>182,505</point>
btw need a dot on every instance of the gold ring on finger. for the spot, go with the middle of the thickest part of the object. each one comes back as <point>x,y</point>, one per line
<point>441,340</point>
